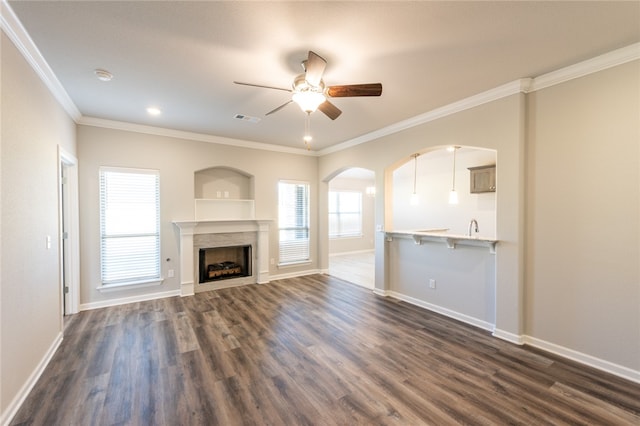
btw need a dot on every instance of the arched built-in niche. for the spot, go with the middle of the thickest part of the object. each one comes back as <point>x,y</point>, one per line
<point>224,193</point>
<point>223,182</point>
<point>351,256</point>
<point>433,171</point>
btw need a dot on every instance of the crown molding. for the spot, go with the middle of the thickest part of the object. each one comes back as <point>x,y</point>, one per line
<point>13,28</point>
<point>599,63</point>
<point>180,134</point>
<point>523,85</point>
<point>518,86</point>
<point>19,36</point>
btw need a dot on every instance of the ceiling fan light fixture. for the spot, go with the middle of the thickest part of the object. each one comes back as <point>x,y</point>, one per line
<point>309,101</point>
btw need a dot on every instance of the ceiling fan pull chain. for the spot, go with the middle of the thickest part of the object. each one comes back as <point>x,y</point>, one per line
<point>307,131</point>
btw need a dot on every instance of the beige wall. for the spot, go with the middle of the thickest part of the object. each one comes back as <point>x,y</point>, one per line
<point>178,160</point>
<point>583,209</point>
<point>33,125</point>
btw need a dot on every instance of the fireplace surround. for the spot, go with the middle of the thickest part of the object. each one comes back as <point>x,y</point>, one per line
<point>196,235</point>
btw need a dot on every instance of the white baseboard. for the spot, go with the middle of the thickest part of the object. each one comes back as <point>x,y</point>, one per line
<point>383,293</point>
<point>18,400</point>
<point>516,339</point>
<point>444,311</point>
<point>582,358</point>
<point>131,299</point>
<point>294,274</point>
<point>347,253</point>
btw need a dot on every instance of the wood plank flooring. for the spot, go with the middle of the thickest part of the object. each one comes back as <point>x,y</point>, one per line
<point>313,350</point>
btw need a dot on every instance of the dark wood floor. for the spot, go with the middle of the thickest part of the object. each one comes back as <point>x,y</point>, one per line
<point>308,351</point>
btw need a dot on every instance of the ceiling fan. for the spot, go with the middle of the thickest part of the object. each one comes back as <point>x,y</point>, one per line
<point>310,92</point>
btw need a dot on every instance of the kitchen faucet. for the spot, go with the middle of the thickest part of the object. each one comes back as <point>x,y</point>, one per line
<point>471,226</point>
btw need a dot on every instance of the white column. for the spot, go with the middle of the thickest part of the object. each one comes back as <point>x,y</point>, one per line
<point>263,252</point>
<point>187,264</point>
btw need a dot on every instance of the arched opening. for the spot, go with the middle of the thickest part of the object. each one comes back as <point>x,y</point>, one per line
<point>224,193</point>
<point>223,183</point>
<point>351,226</point>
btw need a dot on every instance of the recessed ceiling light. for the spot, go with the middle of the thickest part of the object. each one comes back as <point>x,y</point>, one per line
<point>154,111</point>
<point>103,75</point>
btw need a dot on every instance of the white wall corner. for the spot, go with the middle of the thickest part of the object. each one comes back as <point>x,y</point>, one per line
<point>509,337</point>
<point>13,28</point>
<point>380,292</point>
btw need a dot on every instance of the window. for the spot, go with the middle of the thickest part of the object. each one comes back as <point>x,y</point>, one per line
<point>129,226</point>
<point>293,222</point>
<point>345,214</point>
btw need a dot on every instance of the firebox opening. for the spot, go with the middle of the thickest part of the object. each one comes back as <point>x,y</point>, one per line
<point>221,263</point>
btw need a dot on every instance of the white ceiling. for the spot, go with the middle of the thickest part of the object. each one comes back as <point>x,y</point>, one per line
<point>184,56</point>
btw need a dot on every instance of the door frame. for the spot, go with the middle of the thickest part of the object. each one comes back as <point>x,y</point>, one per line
<point>68,219</point>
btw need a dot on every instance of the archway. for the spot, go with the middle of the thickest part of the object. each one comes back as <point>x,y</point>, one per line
<point>351,226</point>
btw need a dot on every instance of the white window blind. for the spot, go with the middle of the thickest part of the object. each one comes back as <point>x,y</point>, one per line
<point>345,214</point>
<point>129,225</point>
<point>293,222</point>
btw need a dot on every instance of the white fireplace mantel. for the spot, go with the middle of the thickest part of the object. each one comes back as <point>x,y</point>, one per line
<point>189,228</point>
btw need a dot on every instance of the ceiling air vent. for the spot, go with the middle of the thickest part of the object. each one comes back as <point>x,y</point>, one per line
<point>247,118</point>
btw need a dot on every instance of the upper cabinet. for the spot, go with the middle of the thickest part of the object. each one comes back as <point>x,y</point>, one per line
<point>483,179</point>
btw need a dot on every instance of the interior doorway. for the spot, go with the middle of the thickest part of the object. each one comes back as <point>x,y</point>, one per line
<point>351,208</point>
<point>69,242</point>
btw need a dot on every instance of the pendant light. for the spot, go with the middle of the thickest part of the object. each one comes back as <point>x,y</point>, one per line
<point>453,195</point>
<point>414,201</point>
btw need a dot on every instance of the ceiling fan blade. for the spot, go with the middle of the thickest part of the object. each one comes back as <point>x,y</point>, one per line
<point>348,90</point>
<point>330,110</point>
<point>315,68</point>
<point>279,108</point>
<point>262,86</point>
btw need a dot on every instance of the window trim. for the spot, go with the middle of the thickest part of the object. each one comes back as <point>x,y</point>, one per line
<point>134,282</point>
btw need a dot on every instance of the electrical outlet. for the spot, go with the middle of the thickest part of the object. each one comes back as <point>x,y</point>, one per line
<point>170,273</point>
<point>432,283</point>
